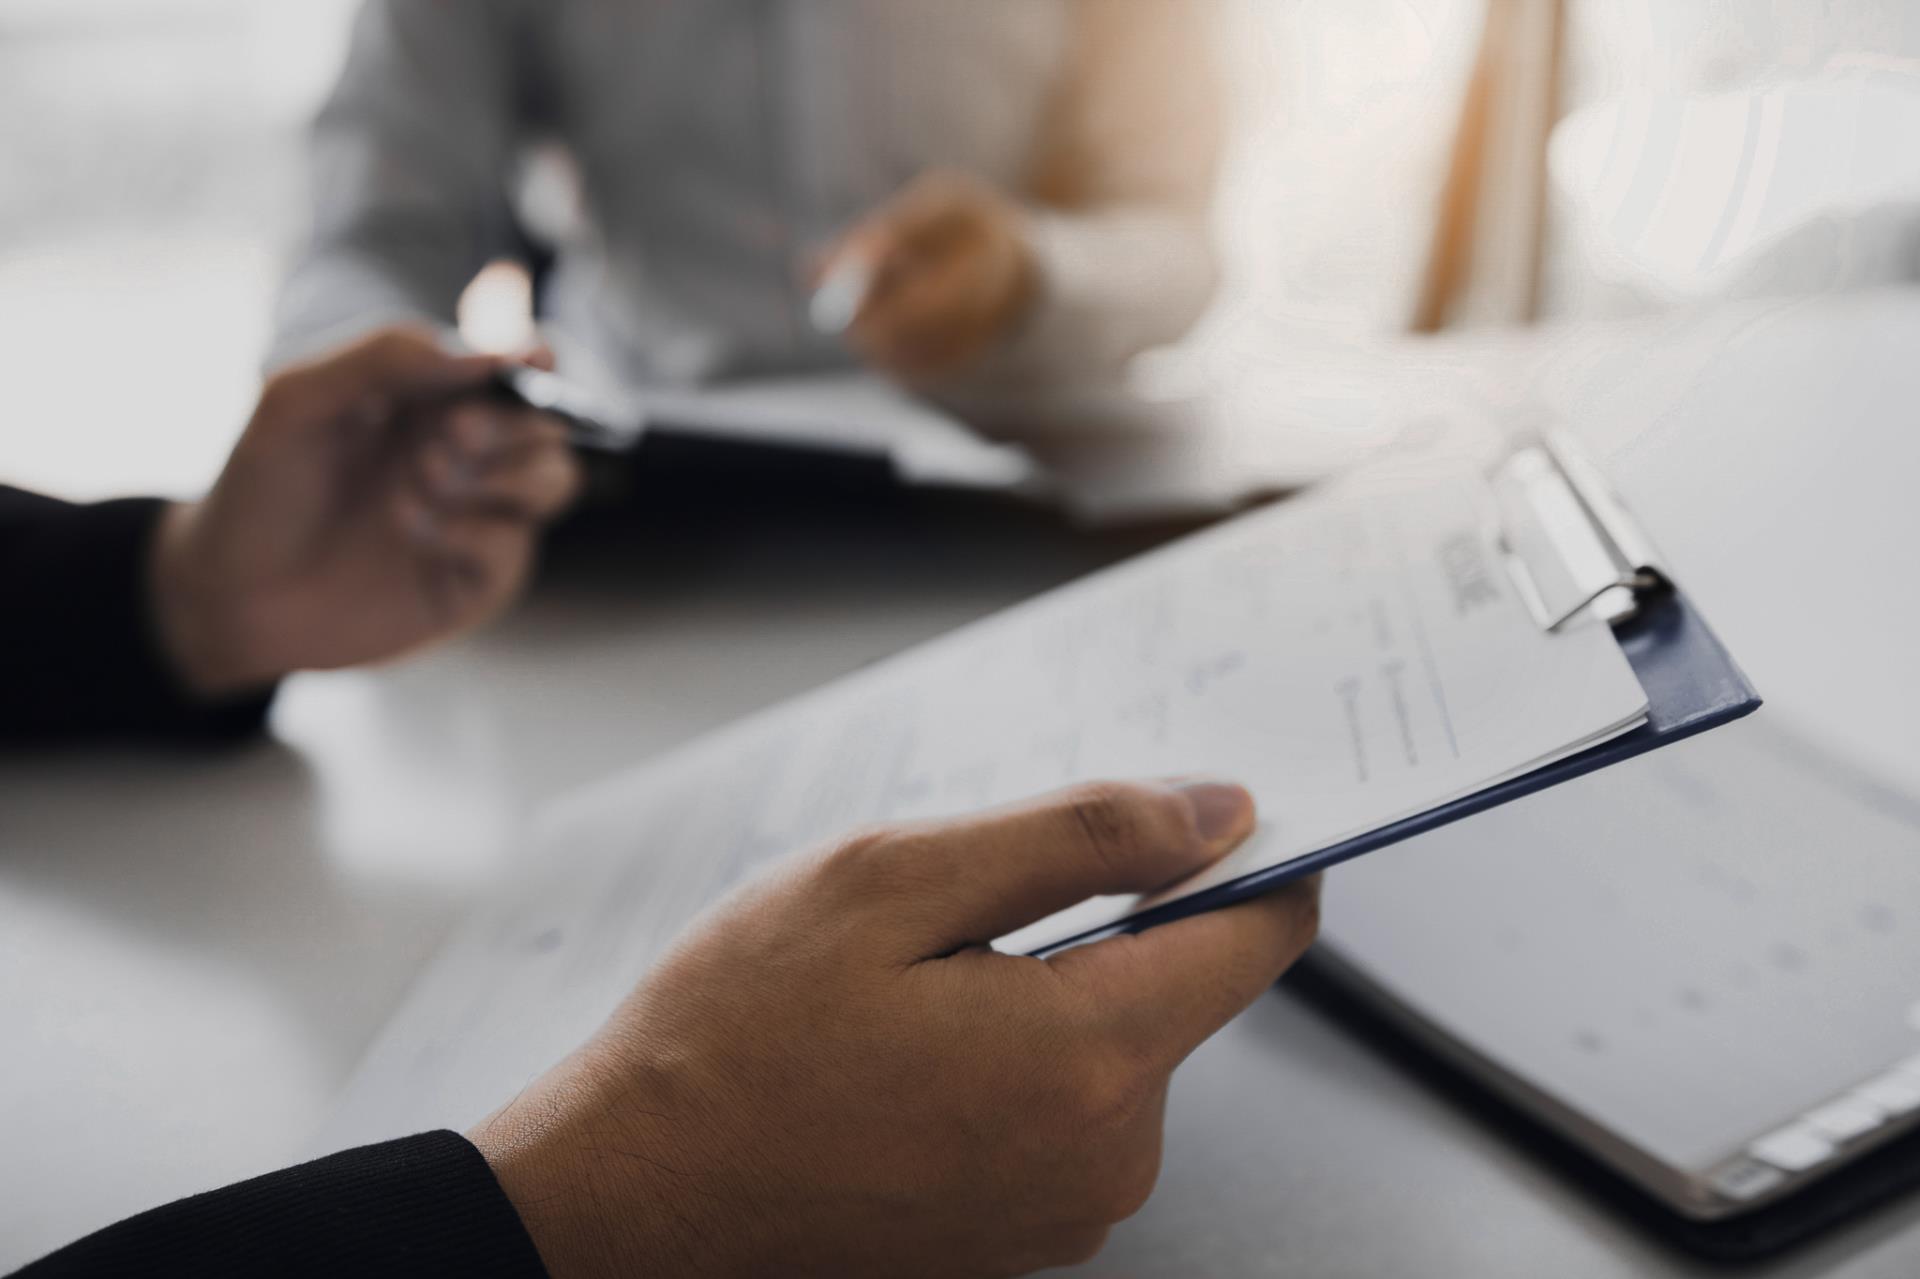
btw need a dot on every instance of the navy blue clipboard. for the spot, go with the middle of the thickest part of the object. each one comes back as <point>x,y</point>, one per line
<point>1691,682</point>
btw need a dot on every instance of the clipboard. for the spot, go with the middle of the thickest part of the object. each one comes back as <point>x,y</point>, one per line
<point>855,423</point>
<point>1576,556</point>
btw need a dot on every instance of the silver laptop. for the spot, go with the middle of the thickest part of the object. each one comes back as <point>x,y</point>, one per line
<point>1702,966</point>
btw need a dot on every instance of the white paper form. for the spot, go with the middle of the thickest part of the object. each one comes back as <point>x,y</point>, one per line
<point>1354,657</point>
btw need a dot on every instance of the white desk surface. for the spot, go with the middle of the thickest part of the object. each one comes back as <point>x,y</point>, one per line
<point>196,950</point>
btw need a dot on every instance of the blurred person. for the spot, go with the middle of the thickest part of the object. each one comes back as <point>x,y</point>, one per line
<point>832,1073</point>
<point>1018,190</point>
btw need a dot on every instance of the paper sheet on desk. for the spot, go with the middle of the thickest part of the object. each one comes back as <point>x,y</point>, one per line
<point>1353,657</point>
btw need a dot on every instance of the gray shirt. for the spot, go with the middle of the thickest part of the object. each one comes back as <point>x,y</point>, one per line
<point>718,145</point>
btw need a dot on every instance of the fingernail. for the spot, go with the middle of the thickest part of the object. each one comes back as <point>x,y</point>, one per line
<point>1221,810</point>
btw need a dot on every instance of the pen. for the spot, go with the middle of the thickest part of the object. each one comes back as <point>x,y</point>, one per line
<point>840,297</point>
<point>592,422</point>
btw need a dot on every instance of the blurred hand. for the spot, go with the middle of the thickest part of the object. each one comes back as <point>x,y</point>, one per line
<point>952,275</point>
<point>833,1075</point>
<point>367,510</point>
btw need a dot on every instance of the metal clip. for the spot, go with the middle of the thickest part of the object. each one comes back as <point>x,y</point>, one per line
<point>1569,543</point>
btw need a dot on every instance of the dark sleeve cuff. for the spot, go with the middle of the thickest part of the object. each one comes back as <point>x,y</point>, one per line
<point>426,1205</point>
<point>78,653</point>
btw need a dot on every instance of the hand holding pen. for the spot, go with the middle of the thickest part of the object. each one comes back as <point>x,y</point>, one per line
<point>926,285</point>
<point>376,503</point>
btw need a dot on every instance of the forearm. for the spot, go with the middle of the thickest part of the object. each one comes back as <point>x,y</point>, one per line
<point>83,648</point>
<point>1109,284</point>
<point>426,1205</point>
<point>1122,193</point>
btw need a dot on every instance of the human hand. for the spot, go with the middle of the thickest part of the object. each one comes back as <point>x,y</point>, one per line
<point>950,273</point>
<point>832,1074</point>
<point>366,511</point>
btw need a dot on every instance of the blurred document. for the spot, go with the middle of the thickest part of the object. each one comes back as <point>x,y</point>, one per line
<point>851,413</point>
<point>1355,657</point>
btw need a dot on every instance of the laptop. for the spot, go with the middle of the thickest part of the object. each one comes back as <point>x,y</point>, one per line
<point>1701,968</point>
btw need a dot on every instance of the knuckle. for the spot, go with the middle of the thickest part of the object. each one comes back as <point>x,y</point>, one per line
<point>1128,967</point>
<point>1132,1184</point>
<point>394,352</point>
<point>1102,811</point>
<point>1111,817</point>
<point>1309,918</point>
<point>1111,1096</point>
<point>1303,901</point>
<point>856,862</point>
<point>1118,1128</point>
<point>389,344</point>
<point>567,477</point>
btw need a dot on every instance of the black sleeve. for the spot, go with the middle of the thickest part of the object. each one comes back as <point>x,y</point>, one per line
<point>426,1205</point>
<point>78,654</point>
